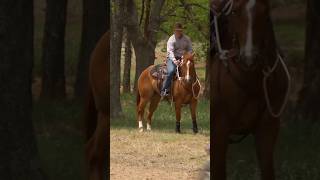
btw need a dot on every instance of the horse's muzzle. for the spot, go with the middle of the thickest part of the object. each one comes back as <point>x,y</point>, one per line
<point>248,60</point>
<point>188,79</point>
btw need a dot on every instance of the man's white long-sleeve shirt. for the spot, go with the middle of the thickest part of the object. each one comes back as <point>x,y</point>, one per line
<point>176,47</point>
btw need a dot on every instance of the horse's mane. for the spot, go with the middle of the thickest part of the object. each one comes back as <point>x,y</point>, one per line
<point>188,56</point>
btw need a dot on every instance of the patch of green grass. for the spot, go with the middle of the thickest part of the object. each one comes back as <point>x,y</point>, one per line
<point>58,127</point>
<point>296,155</point>
<point>291,39</point>
<point>164,117</point>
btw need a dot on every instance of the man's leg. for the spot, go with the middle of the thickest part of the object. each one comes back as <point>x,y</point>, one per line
<point>171,68</point>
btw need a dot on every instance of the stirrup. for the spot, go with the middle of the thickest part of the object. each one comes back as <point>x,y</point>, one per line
<point>164,93</point>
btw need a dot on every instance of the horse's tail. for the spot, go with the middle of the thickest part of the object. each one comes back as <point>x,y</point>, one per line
<point>91,115</point>
<point>138,98</point>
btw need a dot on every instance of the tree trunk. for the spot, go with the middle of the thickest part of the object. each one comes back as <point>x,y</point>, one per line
<point>145,56</point>
<point>144,44</point>
<point>53,76</point>
<point>94,24</point>
<point>19,157</point>
<point>127,64</point>
<point>115,54</point>
<point>206,92</point>
<point>309,99</point>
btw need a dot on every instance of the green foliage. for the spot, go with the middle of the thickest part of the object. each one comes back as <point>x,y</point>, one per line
<point>173,12</point>
<point>177,13</point>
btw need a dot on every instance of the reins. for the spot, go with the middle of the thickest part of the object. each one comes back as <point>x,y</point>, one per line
<point>222,52</point>
<point>197,81</point>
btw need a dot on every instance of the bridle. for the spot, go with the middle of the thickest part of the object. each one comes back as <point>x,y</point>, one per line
<point>226,11</point>
<point>267,70</point>
<point>193,84</point>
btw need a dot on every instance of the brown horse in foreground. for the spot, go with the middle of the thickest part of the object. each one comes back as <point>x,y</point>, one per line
<point>97,110</point>
<point>185,90</point>
<point>250,82</point>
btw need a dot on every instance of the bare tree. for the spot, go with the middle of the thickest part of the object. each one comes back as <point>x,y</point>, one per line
<point>127,64</point>
<point>94,24</point>
<point>143,41</point>
<point>19,157</point>
<point>309,99</point>
<point>53,76</point>
<point>115,54</point>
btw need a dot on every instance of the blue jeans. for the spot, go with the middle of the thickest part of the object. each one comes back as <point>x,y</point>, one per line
<point>171,68</point>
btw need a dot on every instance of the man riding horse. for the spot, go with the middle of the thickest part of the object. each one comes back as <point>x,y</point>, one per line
<point>177,45</point>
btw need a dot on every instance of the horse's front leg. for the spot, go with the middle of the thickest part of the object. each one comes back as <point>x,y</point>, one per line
<point>178,116</point>
<point>219,146</point>
<point>266,136</point>
<point>193,108</point>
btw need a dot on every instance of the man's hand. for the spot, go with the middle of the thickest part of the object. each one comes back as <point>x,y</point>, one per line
<point>176,62</point>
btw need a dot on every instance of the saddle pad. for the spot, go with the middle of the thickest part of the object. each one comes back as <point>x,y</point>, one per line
<point>159,71</point>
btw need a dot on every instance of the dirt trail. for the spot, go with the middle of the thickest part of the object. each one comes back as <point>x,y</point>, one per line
<point>156,155</point>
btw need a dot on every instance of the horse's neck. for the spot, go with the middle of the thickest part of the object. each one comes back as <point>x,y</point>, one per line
<point>269,48</point>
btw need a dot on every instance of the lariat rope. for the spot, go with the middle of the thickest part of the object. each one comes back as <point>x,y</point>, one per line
<point>193,84</point>
<point>265,90</point>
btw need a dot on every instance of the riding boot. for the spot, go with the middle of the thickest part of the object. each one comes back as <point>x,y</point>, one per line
<point>178,127</point>
<point>194,127</point>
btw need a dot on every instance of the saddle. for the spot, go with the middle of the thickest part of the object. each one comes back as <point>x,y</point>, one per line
<point>159,71</point>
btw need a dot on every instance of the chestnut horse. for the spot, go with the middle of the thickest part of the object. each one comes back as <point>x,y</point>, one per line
<point>97,110</point>
<point>249,81</point>
<point>185,90</point>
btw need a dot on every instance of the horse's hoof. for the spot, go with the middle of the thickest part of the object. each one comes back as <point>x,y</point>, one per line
<point>148,127</point>
<point>178,131</point>
<point>140,129</point>
<point>195,131</point>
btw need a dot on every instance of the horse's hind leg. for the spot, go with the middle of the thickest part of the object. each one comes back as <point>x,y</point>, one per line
<point>141,107</point>
<point>95,150</point>
<point>152,107</point>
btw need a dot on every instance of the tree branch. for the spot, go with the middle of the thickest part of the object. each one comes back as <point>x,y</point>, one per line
<point>142,13</point>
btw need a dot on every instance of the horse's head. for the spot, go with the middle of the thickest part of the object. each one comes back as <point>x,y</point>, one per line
<point>220,6</point>
<point>187,68</point>
<point>248,21</point>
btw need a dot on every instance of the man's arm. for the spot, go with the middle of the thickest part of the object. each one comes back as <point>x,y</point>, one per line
<point>189,45</point>
<point>170,48</point>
